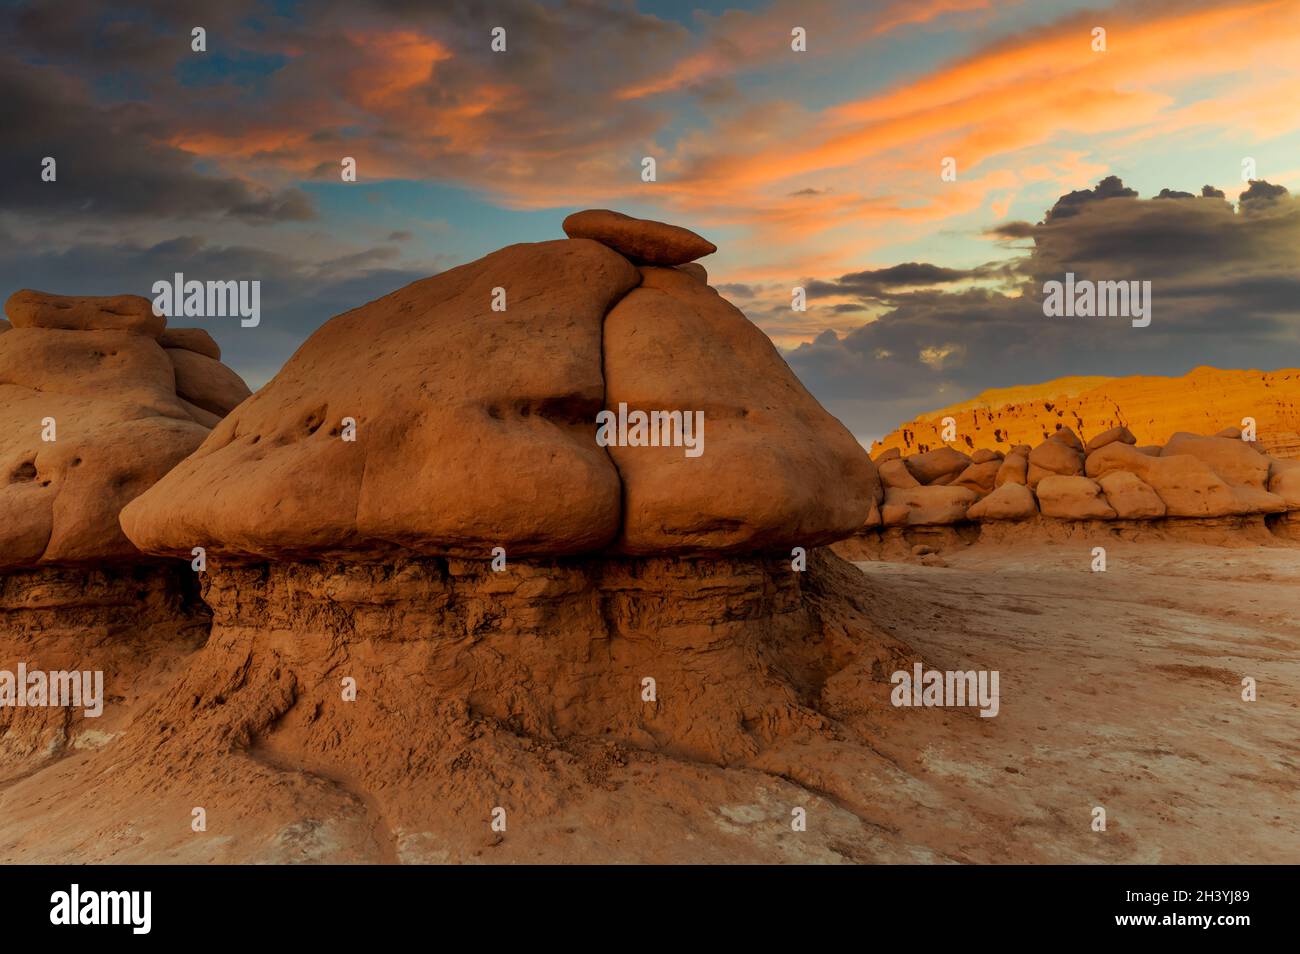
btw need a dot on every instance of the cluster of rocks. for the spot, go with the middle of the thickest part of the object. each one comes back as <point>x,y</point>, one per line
<point>1191,480</point>
<point>98,400</point>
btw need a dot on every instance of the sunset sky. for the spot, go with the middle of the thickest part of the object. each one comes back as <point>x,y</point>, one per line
<point>818,168</point>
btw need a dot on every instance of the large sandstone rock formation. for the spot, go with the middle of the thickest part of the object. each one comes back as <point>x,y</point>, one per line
<point>1203,401</point>
<point>494,442</point>
<point>97,402</point>
<point>642,595</point>
<point>473,427</point>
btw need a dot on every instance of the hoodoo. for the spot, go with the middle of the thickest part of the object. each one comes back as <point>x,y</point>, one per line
<point>98,400</point>
<point>640,597</point>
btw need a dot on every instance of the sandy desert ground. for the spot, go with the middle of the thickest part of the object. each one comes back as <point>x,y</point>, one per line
<point>1118,689</point>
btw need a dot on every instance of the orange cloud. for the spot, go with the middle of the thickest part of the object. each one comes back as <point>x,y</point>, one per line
<point>741,41</point>
<point>804,191</point>
<point>393,64</point>
<point>1018,95</point>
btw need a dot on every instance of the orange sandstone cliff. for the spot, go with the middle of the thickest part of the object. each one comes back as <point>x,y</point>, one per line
<point>1203,401</point>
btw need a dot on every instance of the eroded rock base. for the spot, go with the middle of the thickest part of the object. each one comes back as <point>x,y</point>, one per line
<point>523,689</point>
<point>706,659</point>
<point>134,623</point>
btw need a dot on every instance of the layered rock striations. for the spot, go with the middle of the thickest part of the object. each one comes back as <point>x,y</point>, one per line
<point>98,400</point>
<point>1153,408</point>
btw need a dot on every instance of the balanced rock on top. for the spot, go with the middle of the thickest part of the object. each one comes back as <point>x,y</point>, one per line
<point>644,241</point>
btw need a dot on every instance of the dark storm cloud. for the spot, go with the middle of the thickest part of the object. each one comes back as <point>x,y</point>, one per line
<point>1071,203</point>
<point>1262,195</point>
<point>110,160</point>
<point>1178,243</point>
<point>281,88</point>
<point>880,282</point>
<point>132,39</point>
<point>1011,231</point>
<point>1225,286</point>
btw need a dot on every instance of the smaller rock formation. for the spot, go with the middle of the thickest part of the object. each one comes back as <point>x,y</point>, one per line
<point>979,477</point>
<point>1011,501</point>
<point>131,314</point>
<point>1118,433</point>
<point>1131,497</point>
<point>1015,466</point>
<point>1235,460</point>
<point>942,464</point>
<point>1284,482</point>
<point>1073,498</point>
<point>925,506</point>
<point>1219,489</point>
<point>98,400</point>
<point>1188,486</point>
<point>1056,456</point>
<point>894,473</point>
